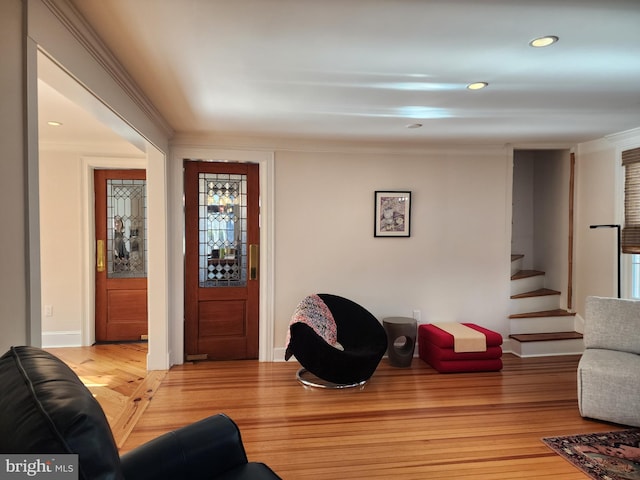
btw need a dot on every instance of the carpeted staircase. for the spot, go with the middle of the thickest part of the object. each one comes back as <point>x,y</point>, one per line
<point>539,327</point>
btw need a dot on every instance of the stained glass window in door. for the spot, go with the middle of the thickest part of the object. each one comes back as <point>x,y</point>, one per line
<point>126,229</point>
<point>222,230</point>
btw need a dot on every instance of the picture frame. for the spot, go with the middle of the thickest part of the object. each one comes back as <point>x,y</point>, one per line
<point>392,214</point>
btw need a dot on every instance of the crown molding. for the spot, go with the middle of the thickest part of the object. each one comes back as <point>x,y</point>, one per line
<point>73,21</point>
<point>330,146</point>
<point>626,139</point>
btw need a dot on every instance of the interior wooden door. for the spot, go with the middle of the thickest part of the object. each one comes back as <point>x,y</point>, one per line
<point>221,260</point>
<point>121,255</point>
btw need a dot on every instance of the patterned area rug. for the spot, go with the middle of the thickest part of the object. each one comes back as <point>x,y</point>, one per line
<point>602,456</point>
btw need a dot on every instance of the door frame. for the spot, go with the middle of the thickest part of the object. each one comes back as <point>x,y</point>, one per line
<point>159,356</point>
<point>89,164</point>
<point>265,159</point>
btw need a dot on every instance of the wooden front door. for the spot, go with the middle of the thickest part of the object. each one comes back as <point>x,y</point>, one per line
<point>121,255</point>
<point>221,260</point>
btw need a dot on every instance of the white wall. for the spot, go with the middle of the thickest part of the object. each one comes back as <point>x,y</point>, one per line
<point>597,202</point>
<point>523,207</point>
<point>600,200</point>
<point>551,218</point>
<point>455,265</point>
<point>61,248</point>
<point>66,237</point>
<point>14,276</point>
<point>324,231</point>
<point>324,211</point>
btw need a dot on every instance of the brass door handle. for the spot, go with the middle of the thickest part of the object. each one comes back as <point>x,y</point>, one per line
<point>100,256</point>
<point>254,260</point>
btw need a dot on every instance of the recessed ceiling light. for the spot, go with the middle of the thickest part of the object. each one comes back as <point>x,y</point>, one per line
<point>414,125</point>
<point>477,85</point>
<point>54,124</point>
<point>543,41</point>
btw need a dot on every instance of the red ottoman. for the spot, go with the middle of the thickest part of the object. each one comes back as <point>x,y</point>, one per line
<point>435,346</point>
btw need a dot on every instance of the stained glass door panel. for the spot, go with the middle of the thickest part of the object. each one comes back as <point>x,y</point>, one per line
<point>223,229</point>
<point>126,228</point>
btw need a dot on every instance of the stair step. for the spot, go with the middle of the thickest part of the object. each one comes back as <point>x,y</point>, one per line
<point>536,293</point>
<point>526,282</point>
<point>571,346</point>
<point>526,274</point>
<point>534,301</point>
<point>539,326</point>
<point>545,337</point>
<point>516,263</point>
<point>546,313</point>
<point>552,324</point>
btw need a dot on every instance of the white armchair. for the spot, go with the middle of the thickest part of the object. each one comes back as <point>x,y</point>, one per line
<point>609,370</point>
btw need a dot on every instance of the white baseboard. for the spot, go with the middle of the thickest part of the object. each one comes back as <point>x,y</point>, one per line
<point>278,354</point>
<point>506,345</point>
<point>72,338</point>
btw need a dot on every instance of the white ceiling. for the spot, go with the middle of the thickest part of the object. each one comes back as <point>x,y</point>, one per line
<point>85,121</point>
<point>365,69</point>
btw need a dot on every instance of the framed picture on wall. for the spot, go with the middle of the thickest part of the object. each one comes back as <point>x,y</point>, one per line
<point>392,214</point>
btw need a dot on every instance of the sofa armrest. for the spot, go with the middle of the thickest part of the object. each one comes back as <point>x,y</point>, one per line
<point>204,449</point>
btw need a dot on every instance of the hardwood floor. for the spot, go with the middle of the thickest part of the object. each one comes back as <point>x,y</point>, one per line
<point>408,423</point>
<point>117,376</point>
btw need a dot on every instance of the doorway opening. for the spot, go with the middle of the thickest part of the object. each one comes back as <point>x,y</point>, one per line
<point>91,136</point>
<point>542,215</point>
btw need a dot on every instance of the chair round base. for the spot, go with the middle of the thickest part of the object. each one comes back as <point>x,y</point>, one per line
<point>317,382</point>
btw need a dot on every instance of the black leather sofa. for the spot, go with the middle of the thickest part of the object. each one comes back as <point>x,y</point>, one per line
<point>45,408</point>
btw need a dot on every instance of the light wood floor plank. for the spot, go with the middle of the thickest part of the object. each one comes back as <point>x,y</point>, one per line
<point>411,423</point>
<point>406,423</point>
<point>116,375</point>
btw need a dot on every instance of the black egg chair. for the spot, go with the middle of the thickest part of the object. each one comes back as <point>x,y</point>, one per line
<point>362,339</point>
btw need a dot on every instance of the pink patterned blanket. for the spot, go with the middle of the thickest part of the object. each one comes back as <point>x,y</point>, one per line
<point>314,312</point>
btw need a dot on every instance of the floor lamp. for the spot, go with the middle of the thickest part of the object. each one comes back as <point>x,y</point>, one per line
<point>618,249</point>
